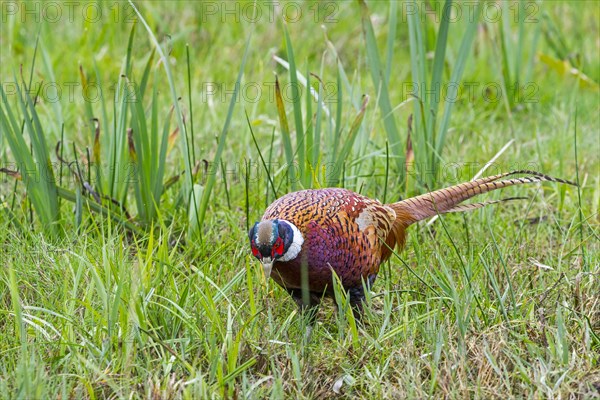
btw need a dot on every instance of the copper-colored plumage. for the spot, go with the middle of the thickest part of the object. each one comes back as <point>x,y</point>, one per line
<point>352,234</point>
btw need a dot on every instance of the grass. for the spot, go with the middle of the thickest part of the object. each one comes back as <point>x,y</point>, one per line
<point>165,301</point>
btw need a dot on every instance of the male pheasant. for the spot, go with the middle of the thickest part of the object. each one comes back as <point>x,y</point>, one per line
<point>305,235</point>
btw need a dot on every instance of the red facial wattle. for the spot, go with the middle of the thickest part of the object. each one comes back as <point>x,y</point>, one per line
<point>255,251</point>
<point>277,248</point>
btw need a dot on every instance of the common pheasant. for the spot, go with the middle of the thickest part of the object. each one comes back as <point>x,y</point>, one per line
<point>305,235</point>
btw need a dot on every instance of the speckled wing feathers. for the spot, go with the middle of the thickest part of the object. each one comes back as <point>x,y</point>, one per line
<point>323,205</point>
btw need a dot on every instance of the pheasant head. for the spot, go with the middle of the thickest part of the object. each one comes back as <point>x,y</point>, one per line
<point>275,240</point>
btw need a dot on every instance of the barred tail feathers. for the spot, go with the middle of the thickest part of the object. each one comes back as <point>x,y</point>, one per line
<point>448,200</point>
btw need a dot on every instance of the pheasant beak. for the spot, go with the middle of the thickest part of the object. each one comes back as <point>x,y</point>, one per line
<point>267,264</point>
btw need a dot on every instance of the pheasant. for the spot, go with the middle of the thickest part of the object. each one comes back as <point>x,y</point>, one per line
<point>304,236</point>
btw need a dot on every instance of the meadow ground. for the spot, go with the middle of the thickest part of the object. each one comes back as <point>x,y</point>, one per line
<point>503,302</point>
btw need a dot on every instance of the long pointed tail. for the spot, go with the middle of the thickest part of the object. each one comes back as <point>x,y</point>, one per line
<point>448,200</point>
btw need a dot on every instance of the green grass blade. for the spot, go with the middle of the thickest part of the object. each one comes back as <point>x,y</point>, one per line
<point>38,173</point>
<point>391,39</point>
<point>319,121</point>
<point>58,119</point>
<point>285,134</point>
<point>456,76</point>
<point>146,74</point>
<point>188,181</point>
<point>354,128</point>
<point>297,105</point>
<point>309,138</point>
<point>338,117</point>
<point>206,195</point>
<point>262,160</point>
<point>87,106</point>
<point>162,158</point>
<point>439,59</point>
<point>421,116</point>
<point>380,84</point>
